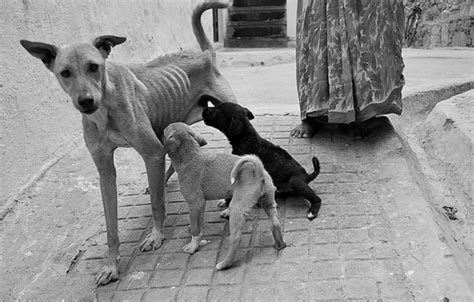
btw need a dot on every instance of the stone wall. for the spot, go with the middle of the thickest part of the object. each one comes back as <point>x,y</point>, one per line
<point>445,23</point>
<point>37,121</point>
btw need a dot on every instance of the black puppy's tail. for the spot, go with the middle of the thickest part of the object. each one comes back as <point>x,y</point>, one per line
<point>315,173</point>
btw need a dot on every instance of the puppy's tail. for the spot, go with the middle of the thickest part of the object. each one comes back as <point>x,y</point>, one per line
<point>238,168</point>
<point>317,168</point>
<point>197,26</point>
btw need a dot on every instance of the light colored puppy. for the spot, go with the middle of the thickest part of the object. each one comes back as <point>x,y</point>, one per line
<point>252,186</point>
<point>207,176</point>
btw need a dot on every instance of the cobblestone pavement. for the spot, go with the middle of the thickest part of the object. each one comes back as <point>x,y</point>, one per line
<point>352,251</point>
<point>374,238</point>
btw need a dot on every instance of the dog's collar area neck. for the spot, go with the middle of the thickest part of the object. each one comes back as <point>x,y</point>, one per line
<point>250,132</point>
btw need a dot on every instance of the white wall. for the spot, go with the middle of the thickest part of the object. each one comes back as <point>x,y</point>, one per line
<point>37,122</point>
<point>291,19</point>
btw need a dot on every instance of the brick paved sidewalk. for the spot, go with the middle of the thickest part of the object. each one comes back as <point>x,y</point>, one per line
<point>351,251</point>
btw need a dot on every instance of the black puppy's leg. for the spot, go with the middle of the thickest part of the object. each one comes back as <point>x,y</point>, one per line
<point>300,187</point>
<point>224,203</point>
<point>169,172</point>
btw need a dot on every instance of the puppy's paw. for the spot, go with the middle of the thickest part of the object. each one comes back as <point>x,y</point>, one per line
<point>222,203</point>
<point>280,245</point>
<point>310,214</point>
<point>225,214</point>
<point>152,241</point>
<point>191,247</point>
<point>222,265</point>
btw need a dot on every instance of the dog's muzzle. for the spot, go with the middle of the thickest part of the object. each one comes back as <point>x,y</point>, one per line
<point>87,105</point>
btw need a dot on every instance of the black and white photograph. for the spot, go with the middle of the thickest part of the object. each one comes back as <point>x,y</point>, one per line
<point>237,150</point>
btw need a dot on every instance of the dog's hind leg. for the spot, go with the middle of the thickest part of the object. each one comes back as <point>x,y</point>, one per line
<point>270,208</point>
<point>236,225</point>
<point>300,187</point>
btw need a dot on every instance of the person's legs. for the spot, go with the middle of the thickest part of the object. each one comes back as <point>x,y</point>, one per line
<point>311,65</point>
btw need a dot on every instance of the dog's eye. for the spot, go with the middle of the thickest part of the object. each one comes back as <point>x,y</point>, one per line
<point>65,73</point>
<point>93,67</point>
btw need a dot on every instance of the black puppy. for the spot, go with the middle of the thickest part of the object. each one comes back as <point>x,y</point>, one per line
<point>288,175</point>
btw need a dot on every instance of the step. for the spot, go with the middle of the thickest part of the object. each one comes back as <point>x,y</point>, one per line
<point>262,23</point>
<point>447,138</point>
<point>269,31</point>
<point>267,8</point>
<point>243,3</point>
<point>256,42</point>
<point>260,16</point>
<point>439,144</point>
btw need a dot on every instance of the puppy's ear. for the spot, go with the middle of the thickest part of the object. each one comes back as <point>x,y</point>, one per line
<point>249,114</point>
<point>213,100</point>
<point>203,100</point>
<point>235,127</point>
<point>45,52</point>
<point>105,43</point>
<point>171,144</point>
<point>201,140</point>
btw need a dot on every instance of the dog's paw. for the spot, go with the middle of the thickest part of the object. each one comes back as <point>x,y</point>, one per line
<point>191,247</point>
<point>222,266</point>
<point>152,241</point>
<point>107,274</point>
<point>225,214</point>
<point>222,203</point>
<point>280,246</point>
<point>310,214</point>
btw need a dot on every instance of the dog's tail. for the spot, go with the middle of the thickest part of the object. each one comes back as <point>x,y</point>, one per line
<point>238,168</point>
<point>317,168</point>
<point>197,26</point>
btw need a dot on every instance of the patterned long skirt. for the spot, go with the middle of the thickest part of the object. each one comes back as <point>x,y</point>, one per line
<point>349,58</point>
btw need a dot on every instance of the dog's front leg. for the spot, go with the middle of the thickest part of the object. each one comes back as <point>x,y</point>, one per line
<point>155,168</point>
<point>196,216</point>
<point>103,158</point>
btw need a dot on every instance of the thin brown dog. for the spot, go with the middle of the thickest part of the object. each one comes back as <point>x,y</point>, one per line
<point>129,106</point>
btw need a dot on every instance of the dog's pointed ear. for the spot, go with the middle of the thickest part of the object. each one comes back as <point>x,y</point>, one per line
<point>214,101</point>
<point>201,140</point>
<point>203,100</point>
<point>235,127</point>
<point>105,43</point>
<point>249,114</point>
<point>45,52</point>
<point>171,144</point>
